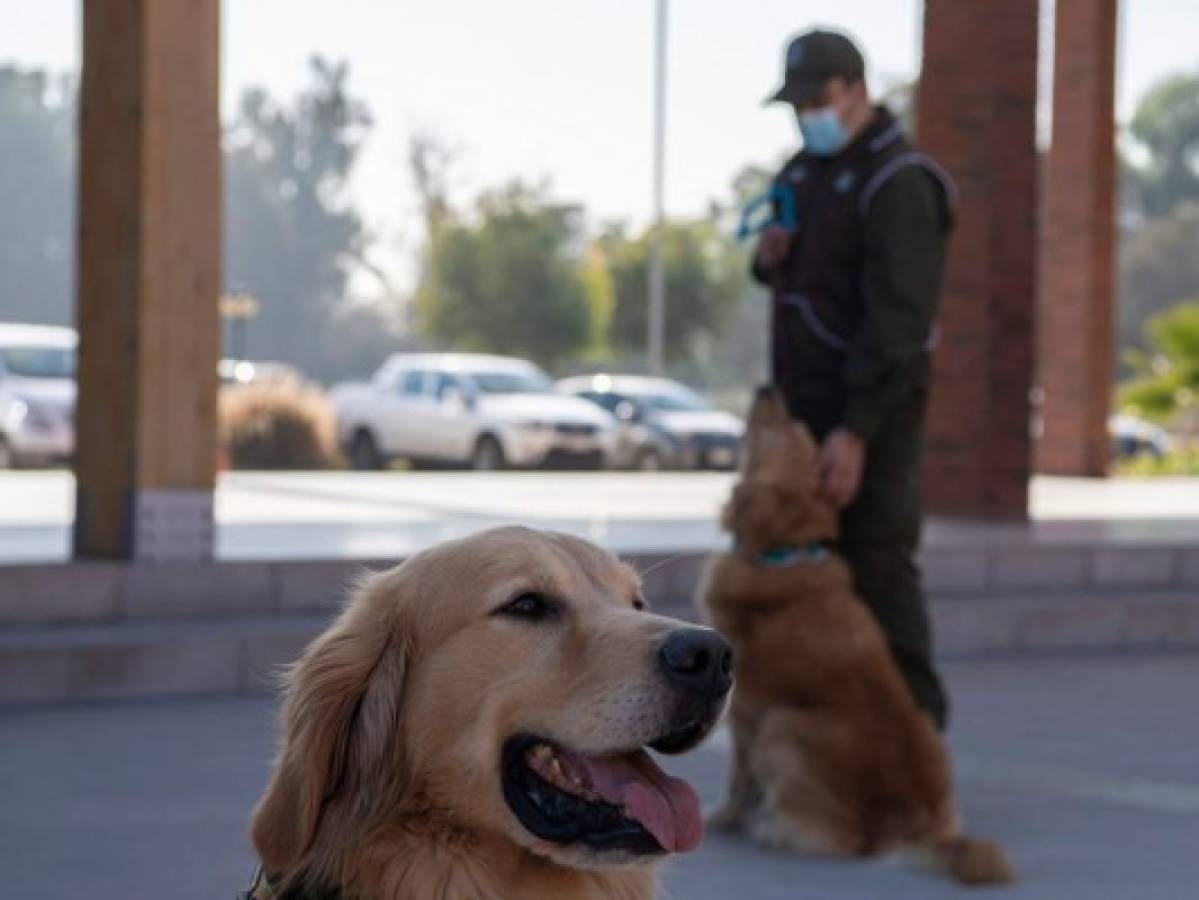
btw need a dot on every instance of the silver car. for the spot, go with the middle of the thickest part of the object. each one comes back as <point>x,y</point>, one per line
<point>37,394</point>
<point>664,424</point>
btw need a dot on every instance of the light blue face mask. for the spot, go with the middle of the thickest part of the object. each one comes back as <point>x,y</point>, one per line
<point>822,131</point>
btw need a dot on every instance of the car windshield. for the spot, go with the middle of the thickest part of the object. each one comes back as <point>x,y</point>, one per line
<point>38,362</point>
<point>672,402</point>
<point>512,382</point>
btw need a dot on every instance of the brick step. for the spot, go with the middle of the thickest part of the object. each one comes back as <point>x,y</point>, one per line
<point>116,661</point>
<point>1092,620</point>
<point>96,592</point>
<point>1016,622</point>
<point>243,653</point>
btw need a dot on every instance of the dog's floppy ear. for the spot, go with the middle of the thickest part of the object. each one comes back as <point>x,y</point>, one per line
<point>342,705</point>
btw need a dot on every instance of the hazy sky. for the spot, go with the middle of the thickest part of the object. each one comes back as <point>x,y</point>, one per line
<point>564,87</point>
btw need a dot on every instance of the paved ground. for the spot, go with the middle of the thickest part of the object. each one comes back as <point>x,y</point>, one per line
<point>1087,769</point>
<point>351,514</point>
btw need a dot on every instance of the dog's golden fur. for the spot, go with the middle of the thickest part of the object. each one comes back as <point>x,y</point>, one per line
<point>387,782</point>
<point>831,753</point>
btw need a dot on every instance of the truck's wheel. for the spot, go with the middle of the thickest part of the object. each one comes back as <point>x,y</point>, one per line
<point>364,452</point>
<point>488,455</point>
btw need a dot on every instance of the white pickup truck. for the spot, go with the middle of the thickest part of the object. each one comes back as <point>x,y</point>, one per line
<point>488,412</point>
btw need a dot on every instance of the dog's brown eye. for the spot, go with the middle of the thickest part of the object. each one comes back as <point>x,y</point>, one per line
<point>529,605</point>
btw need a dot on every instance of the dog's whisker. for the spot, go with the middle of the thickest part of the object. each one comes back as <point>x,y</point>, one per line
<point>689,554</point>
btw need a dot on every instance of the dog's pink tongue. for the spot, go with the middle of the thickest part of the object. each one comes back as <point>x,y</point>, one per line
<point>667,807</point>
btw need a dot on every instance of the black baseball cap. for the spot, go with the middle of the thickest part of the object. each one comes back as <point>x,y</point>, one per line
<point>811,60</point>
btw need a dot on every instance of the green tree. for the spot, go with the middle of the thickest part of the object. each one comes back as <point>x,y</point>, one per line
<point>703,279</point>
<point>1167,377</point>
<point>431,162</point>
<point>1159,267</point>
<point>292,239</point>
<point>509,279</point>
<point>37,178</point>
<point>601,302</point>
<point>1166,126</point>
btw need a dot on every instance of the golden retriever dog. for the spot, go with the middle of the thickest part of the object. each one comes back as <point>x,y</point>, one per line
<point>473,727</point>
<point>831,753</point>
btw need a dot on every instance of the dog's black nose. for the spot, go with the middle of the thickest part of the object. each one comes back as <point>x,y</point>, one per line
<point>698,660</point>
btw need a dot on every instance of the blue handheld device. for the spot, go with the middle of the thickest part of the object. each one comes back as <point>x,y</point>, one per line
<point>774,207</point>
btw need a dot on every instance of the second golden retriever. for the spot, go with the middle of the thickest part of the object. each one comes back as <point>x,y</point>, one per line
<point>831,753</point>
<point>473,727</point>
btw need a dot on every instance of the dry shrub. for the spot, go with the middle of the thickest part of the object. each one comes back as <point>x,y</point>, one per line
<point>280,423</point>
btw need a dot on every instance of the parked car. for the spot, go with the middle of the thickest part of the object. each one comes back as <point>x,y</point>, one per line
<point>37,394</point>
<point>663,424</point>
<point>485,411</point>
<point>1132,437</point>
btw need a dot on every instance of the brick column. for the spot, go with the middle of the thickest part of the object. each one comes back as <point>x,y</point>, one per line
<point>977,116</point>
<point>1078,244</point>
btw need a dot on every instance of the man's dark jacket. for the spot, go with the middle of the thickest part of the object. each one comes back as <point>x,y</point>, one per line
<point>855,301</point>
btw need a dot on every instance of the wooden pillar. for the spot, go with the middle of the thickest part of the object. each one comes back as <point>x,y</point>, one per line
<point>149,272</point>
<point>1078,244</point>
<point>977,116</point>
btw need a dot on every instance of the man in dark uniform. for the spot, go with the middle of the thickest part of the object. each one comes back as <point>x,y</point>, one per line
<point>855,283</point>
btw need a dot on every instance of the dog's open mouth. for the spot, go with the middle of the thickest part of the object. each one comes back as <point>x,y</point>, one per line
<point>619,801</point>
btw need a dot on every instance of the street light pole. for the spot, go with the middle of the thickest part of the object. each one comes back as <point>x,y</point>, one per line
<point>656,313</point>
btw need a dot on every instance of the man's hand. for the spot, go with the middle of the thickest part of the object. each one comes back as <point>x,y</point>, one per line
<point>774,245</point>
<point>841,460</point>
